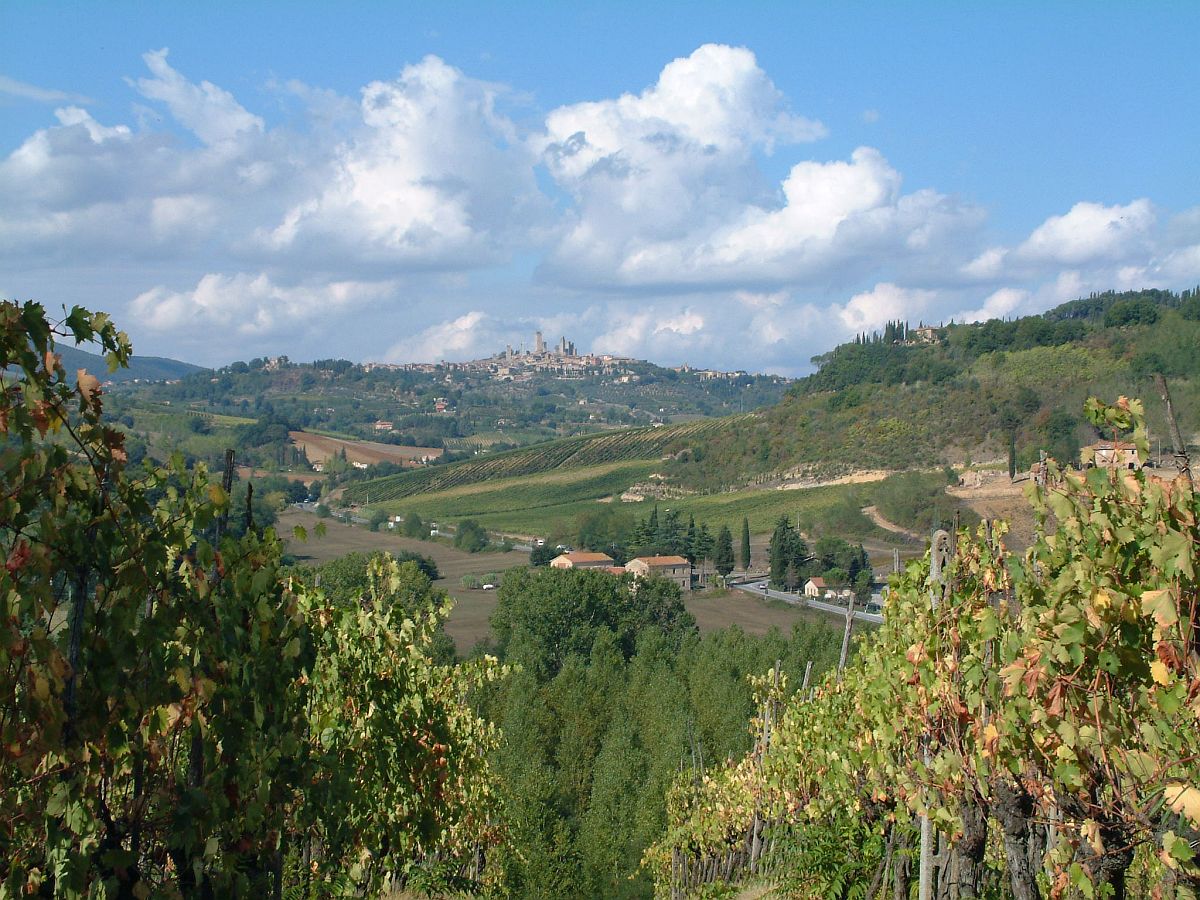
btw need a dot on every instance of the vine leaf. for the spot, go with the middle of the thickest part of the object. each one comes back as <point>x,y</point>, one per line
<point>1183,799</point>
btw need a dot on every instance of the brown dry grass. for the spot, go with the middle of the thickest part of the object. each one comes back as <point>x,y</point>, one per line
<point>1002,500</point>
<point>320,447</point>
<point>468,621</point>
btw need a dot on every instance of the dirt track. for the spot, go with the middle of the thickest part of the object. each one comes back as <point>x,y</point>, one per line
<point>877,517</point>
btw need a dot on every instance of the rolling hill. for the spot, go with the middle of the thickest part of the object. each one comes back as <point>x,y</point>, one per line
<point>626,445</point>
<point>141,368</point>
<point>904,399</point>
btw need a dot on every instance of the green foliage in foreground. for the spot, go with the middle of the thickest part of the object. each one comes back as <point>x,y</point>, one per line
<point>1062,687</point>
<point>612,691</point>
<point>178,717</point>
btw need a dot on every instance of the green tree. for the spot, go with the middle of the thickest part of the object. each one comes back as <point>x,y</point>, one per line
<point>542,554</point>
<point>787,554</point>
<point>745,544</point>
<point>723,554</point>
<point>543,616</point>
<point>470,536</point>
<point>414,527</point>
<point>671,536</point>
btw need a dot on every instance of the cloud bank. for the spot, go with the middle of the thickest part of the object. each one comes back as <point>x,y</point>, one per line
<point>432,215</point>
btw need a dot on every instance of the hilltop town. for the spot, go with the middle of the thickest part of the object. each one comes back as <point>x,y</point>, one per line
<point>562,360</point>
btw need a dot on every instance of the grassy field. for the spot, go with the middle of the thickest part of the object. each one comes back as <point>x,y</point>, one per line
<point>525,505</point>
<point>469,623</point>
<point>469,620</point>
<point>604,448</point>
<point>546,504</point>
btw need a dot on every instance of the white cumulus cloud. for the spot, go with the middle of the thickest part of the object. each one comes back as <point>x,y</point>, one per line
<point>872,310</point>
<point>209,112</point>
<point>1090,232</point>
<point>668,190</point>
<point>997,305</point>
<point>433,175</point>
<point>248,304</point>
<point>474,334</point>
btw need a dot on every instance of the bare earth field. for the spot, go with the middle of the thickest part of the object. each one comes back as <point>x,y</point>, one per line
<point>319,447</point>
<point>468,622</point>
<point>306,478</point>
<point>1002,500</point>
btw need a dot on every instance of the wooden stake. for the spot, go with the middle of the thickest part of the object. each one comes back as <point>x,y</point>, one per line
<point>846,639</point>
<point>1182,463</point>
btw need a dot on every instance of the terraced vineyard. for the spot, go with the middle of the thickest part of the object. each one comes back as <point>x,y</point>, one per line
<point>524,505</point>
<point>577,452</point>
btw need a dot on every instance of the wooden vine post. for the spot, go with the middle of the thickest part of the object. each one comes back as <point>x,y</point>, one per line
<point>940,552</point>
<point>846,639</point>
<point>1182,463</point>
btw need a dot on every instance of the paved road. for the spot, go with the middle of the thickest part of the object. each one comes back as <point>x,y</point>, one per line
<point>759,589</point>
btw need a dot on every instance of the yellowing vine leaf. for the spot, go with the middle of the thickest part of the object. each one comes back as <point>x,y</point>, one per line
<point>1161,605</point>
<point>1183,799</point>
<point>1160,673</point>
<point>88,385</point>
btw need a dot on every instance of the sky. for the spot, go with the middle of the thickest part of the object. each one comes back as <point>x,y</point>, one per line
<point>736,186</point>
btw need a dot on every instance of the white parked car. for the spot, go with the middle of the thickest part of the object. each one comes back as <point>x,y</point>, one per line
<point>489,587</point>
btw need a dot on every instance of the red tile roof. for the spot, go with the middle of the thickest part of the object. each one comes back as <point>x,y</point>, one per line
<point>659,562</point>
<point>583,556</point>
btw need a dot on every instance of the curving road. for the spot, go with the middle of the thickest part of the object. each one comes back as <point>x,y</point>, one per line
<point>760,589</point>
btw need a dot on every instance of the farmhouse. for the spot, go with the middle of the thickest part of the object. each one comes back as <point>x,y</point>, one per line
<point>672,568</point>
<point>580,559</point>
<point>815,587</point>
<point>1110,455</point>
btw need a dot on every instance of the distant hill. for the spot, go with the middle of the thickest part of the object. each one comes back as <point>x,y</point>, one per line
<point>141,368</point>
<point>915,398</point>
<point>906,398</point>
<point>632,444</point>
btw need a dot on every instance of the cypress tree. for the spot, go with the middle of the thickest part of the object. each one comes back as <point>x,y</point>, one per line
<point>723,554</point>
<point>745,543</point>
<point>778,552</point>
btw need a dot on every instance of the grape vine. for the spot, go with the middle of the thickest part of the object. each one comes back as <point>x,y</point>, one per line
<point>178,717</point>
<point>1042,711</point>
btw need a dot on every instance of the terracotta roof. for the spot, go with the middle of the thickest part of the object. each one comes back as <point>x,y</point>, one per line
<point>656,562</point>
<point>818,582</point>
<point>1111,445</point>
<point>582,556</point>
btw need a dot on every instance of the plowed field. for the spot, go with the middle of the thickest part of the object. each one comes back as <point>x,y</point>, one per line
<point>320,447</point>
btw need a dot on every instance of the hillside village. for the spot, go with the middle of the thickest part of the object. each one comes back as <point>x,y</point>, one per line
<point>561,360</point>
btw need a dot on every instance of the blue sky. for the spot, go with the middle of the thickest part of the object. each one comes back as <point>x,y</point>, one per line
<point>735,185</point>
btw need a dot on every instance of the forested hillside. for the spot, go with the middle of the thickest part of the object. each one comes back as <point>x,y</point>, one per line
<point>959,393</point>
<point>140,368</point>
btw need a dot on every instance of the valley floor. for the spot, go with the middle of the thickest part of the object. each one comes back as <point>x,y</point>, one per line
<point>468,621</point>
